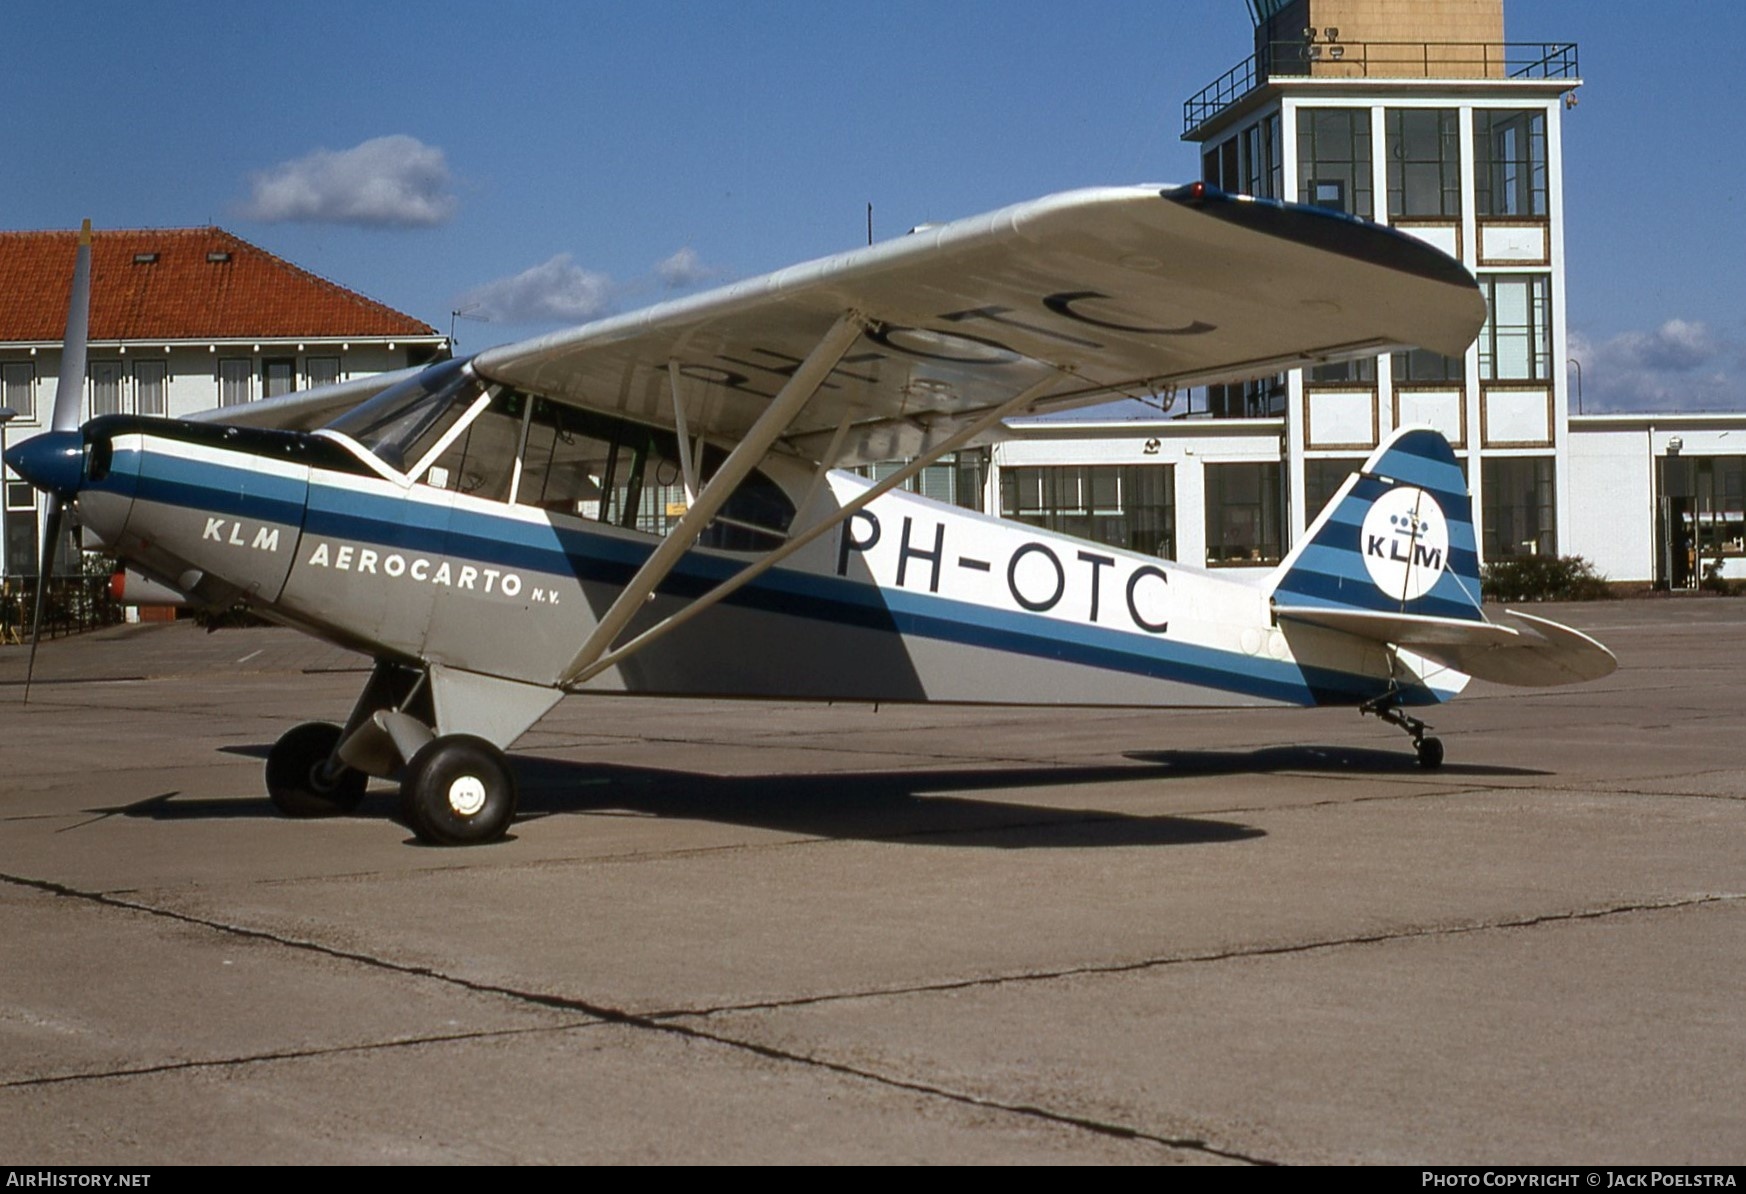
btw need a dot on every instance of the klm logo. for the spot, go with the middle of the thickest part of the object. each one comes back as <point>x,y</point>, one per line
<point>1406,543</point>
<point>232,533</point>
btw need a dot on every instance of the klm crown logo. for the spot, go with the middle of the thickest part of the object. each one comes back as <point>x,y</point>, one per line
<point>1405,542</point>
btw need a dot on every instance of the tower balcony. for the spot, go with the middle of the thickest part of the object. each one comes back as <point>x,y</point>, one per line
<point>1453,62</point>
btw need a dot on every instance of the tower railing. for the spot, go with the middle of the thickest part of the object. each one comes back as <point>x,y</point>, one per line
<point>1379,60</point>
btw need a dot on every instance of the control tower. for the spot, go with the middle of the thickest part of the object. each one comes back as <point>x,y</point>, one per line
<point>1420,115</point>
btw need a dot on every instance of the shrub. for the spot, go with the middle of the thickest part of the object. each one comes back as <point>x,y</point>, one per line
<point>1543,578</point>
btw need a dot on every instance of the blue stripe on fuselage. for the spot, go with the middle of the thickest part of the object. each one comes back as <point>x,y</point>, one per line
<point>337,511</point>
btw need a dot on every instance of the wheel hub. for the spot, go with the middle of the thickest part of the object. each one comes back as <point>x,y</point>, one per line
<point>467,795</point>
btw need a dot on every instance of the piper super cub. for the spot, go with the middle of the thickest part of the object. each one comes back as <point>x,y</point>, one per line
<point>474,526</point>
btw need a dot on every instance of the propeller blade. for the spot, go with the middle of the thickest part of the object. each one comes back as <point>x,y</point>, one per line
<point>70,386</point>
<point>69,400</point>
<point>51,543</point>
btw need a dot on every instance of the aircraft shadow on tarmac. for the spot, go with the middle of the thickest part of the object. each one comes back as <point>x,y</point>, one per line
<point>916,807</point>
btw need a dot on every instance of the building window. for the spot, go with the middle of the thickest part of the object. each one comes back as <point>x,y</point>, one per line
<point>21,554</point>
<point>323,371</point>
<point>150,387</point>
<point>1518,506</point>
<point>1322,480</point>
<point>1422,365</point>
<point>1516,342</point>
<point>1333,155</point>
<point>235,378</point>
<point>106,388</point>
<point>1242,513</point>
<point>1260,158</point>
<point>1424,162</point>
<point>1720,506</point>
<point>956,480</point>
<point>1126,506</point>
<point>1509,151</point>
<point>278,376</point>
<point>1219,166</point>
<point>18,388</point>
<point>1258,399</point>
<point>1360,372</point>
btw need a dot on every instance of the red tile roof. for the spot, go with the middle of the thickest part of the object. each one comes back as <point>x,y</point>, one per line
<point>185,293</point>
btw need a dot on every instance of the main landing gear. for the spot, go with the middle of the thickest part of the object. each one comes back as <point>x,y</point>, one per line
<point>1387,707</point>
<point>455,789</point>
<point>458,790</point>
<point>305,777</point>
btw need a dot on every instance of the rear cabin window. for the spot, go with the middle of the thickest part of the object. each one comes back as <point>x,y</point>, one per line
<point>592,466</point>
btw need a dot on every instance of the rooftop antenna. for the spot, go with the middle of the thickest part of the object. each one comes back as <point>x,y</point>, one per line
<point>464,313</point>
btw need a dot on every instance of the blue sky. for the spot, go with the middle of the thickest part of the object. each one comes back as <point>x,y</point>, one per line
<point>542,161</point>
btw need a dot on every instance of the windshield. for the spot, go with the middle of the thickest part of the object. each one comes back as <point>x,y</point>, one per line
<point>403,422</point>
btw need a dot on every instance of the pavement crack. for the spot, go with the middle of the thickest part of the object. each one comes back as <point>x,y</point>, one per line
<point>670,1021</point>
<point>657,1022</point>
<point>220,1063</point>
<point>1211,956</point>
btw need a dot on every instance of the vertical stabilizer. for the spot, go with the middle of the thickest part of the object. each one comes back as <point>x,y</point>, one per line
<point>1397,538</point>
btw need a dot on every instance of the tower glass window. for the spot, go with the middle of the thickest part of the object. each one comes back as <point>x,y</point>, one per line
<point>1333,153</point>
<point>1516,342</point>
<point>1322,479</point>
<point>1509,152</point>
<point>1424,162</point>
<point>1421,365</point>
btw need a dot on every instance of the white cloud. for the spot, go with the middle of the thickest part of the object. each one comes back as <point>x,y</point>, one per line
<point>394,181</point>
<point>557,291</point>
<point>1681,365</point>
<point>682,269</point>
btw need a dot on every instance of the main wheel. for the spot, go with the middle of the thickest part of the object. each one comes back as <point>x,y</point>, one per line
<point>458,791</point>
<point>297,779</point>
<point>1430,753</point>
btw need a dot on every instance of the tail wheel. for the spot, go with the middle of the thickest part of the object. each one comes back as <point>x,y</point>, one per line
<point>298,779</point>
<point>458,791</point>
<point>1430,753</point>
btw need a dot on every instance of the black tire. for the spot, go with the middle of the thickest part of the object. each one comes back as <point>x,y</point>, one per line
<point>458,791</point>
<point>295,781</point>
<point>1430,753</point>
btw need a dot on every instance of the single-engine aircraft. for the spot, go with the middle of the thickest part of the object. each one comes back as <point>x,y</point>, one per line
<point>480,527</point>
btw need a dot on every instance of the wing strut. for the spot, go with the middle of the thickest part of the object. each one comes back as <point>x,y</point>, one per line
<point>686,468</point>
<point>746,456</point>
<point>751,572</point>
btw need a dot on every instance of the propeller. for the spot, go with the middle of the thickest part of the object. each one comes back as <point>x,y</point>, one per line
<point>69,395</point>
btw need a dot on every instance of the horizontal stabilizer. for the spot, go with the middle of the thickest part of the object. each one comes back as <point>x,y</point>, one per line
<point>1536,653</point>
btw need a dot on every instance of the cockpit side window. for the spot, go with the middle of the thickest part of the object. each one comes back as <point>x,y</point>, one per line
<point>481,462</point>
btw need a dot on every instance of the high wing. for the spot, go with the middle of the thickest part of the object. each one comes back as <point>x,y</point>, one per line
<point>1089,295</point>
<point>1074,299</point>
